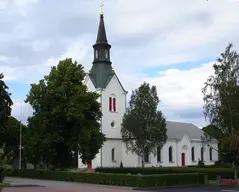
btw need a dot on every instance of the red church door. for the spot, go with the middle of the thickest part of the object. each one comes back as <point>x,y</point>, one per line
<point>90,165</point>
<point>183,159</point>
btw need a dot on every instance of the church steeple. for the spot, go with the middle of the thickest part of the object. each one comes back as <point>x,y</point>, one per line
<point>101,72</point>
<point>101,47</point>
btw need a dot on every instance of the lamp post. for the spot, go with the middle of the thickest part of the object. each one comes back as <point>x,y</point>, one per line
<point>20,144</point>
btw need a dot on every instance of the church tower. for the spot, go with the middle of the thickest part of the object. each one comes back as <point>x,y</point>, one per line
<point>103,80</point>
<point>101,71</point>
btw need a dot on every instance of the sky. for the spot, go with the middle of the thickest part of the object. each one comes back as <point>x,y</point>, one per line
<point>171,44</point>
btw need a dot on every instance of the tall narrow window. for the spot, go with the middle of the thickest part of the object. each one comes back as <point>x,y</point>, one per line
<point>110,103</point>
<point>114,104</point>
<point>202,154</point>
<point>113,154</point>
<point>96,54</point>
<point>170,154</point>
<point>158,154</point>
<point>106,54</point>
<point>193,153</point>
<point>210,154</point>
<point>146,155</point>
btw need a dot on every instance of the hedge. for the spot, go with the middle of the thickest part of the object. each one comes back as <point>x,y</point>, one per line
<point>113,179</point>
<point>211,172</point>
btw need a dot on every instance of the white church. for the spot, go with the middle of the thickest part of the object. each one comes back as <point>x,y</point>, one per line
<point>183,146</point>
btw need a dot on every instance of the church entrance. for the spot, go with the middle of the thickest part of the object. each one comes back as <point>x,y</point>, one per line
<point>90,165</point>
<point>183,159</point>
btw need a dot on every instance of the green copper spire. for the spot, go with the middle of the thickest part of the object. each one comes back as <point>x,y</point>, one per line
<point>101,71</point>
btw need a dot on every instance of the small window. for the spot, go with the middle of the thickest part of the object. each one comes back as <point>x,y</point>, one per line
<point>96,54</point>
<point>113,154</point>
<point>110,103</point>
<point>114,104</point>
<point>202,154</point>
<point>146,155</point>
<point>158,154</point>
<point>210,153</point>
<point>193,153</point>
<point>106,54</point>
<point>170,154</point>
<point>112,124</point>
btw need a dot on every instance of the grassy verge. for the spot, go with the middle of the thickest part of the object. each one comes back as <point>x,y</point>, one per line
<point>212,182</point>
<point>5,185</point>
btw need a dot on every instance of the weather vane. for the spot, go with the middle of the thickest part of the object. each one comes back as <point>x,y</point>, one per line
<point>101,8</point>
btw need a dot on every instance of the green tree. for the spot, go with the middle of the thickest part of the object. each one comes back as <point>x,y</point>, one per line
<point>11,138</point>
<point>5,101</point>
<point>5,107</point>
<point>144,126</point>
<point>213,131</point>
<point>66,118</point>
<point>221,95</point>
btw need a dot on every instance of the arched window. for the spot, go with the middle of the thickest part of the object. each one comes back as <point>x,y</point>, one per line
<point>110,103</point>
<point>114,104</point>
<point>158,154</point>
<point>193,153</point>
<point>146,155</point>
<point>202,154</point>
<point>113,154</point>
<point>210,154</point>
<point>170,154</point>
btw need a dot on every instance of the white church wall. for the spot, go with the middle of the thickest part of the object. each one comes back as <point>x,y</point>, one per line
<point>113,90</point>
<point>129,159</point>
<point>197,146</point>
<point>107,153</point>
<point>89,84</point>
<point>184,146</point>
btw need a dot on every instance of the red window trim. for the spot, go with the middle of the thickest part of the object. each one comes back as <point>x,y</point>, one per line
<point>114,104</point>
<point>110,103</point>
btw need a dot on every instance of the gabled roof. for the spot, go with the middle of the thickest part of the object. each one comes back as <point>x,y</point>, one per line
<point>104,80</point>
<point>177,130</point>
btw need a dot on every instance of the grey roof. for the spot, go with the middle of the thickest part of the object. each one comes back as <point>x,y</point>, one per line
<point>176,130</point>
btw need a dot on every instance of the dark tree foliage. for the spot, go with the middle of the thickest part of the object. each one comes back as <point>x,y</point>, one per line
<point>144,126</point>
<point>5,102</point>
<point>66,118</point>
<point>11,138</point>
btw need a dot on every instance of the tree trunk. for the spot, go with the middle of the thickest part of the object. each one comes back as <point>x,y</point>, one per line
<point>143,163</point>
<point>235,170</point>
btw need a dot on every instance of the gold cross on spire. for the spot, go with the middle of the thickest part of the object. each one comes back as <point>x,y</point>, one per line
<point>101,8</point>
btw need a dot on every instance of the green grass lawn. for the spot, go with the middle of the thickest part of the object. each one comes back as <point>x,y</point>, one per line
<point>212,182</point>
<point>5,185</point>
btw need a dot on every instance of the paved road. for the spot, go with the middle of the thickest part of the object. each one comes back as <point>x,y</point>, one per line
<point>57,186</point>
<point>197,189</point>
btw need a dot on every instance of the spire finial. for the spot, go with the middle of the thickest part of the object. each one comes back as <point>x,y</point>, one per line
<point>101,8</point>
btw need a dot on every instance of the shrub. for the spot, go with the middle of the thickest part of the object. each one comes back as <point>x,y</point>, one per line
<point>113,179</point>
<point>211,172</point>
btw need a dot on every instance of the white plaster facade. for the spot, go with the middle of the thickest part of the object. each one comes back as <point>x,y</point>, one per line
<point>182,137</point>
<point>114,142</point>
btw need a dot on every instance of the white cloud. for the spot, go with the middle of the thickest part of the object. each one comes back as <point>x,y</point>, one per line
<point>178,90</point>
<point>143,35</point>
<point>3,4</point>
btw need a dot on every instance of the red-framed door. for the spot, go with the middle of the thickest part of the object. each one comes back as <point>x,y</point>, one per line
<point>183,159</point>
<point>90,165</point>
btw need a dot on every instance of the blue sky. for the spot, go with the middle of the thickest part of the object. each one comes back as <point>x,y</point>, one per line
<point>170,44</point>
